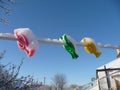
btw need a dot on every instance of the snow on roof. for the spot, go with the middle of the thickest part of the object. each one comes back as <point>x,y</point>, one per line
<point>113,64</point>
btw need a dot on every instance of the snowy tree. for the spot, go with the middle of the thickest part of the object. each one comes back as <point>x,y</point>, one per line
<point>9,77</point>
<point>59,81</point>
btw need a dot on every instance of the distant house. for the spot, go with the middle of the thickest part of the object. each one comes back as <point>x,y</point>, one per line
<point>108,76</point>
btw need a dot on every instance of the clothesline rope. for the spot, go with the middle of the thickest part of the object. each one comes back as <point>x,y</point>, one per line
<point>8,36</point>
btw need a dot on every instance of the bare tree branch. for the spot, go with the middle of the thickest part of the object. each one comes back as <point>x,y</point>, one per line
<point>5,7</point>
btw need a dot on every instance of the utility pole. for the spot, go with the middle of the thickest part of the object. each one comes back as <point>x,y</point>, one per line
<point>44,82</point>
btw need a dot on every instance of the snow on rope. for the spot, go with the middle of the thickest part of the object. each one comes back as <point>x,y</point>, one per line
<point>27,42</point>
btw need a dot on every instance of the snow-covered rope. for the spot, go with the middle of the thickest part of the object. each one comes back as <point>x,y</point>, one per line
<point>27,41</point>
<point>8,36</point>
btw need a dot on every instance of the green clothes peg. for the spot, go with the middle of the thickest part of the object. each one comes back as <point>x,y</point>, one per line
<point>69,46</point>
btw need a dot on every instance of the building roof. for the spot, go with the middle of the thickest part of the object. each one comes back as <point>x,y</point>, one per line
<point>111,65</point>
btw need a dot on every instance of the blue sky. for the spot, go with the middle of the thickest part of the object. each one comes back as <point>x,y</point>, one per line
<point>98,19</point>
